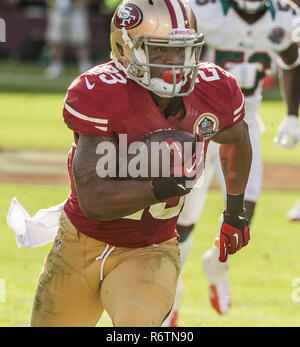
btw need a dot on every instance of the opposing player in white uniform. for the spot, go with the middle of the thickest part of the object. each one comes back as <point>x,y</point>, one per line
<point>250,39</point>
<point>294,212</point>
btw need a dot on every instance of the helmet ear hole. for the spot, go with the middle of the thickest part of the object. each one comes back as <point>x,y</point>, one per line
<point>120,49</point>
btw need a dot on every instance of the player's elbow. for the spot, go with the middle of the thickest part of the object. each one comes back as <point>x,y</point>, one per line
<point>95,209</point>
<point>92,197</point>
<point>89,212</point>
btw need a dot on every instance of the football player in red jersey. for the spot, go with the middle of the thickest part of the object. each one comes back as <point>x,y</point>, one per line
<point>116,248</point>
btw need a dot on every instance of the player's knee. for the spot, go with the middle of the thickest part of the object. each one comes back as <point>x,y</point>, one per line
<point>132,314</point>
<point>184,231</point>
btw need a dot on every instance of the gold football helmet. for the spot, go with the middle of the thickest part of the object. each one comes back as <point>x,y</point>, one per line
<point>138,24</point>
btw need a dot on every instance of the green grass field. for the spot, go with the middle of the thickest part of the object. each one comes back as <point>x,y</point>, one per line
<point>261,275</point>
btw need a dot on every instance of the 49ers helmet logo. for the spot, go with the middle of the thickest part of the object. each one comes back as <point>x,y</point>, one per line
<point>128,16</point>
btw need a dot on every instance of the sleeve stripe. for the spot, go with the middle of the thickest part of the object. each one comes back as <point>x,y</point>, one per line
<point>82,116</point>
<point>237,117</point>
<point>101,128</point>
<point>239,109</point>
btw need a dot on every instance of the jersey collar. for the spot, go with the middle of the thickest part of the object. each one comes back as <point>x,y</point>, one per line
<point>226,4</point>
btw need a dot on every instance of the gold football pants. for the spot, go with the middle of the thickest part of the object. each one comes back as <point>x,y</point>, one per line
<point>82,277</point>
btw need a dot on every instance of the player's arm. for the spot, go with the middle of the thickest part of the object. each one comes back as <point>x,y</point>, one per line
<point>105,198</point>
<point>102,194</point>
<point>289,74</point>
<point>236,158</point>
<point>290,78</point>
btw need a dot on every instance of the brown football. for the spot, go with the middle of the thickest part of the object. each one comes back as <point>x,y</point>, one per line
<point>152,156</point>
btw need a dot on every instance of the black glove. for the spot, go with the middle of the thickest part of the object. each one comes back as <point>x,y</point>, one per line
<point>184,174</point>
<point>167,187</point>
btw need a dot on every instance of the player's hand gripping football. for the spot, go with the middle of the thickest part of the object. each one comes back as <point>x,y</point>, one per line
<point>288,132</point>
<point>184,172</point>
<point>234,234</point>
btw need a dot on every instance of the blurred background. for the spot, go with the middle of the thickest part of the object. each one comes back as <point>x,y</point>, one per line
<point>56,39</point>
<point>52,39</point>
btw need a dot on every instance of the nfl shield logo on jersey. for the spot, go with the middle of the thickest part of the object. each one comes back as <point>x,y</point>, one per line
<point>276,35</point>
<point>57,244</point>
<point>206,125</point>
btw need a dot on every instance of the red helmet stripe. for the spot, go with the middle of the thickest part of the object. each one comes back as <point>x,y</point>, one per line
<point>172,13</point>
<point>178,14</point>
<point>185,16</point>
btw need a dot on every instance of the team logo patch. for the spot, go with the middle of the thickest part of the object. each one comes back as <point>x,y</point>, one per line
<point>206,125</point>
<point>276,35</point>
<point>128,16</point>
<point>57,244</point>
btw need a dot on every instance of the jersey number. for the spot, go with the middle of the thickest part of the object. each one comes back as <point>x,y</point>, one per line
<point>110,75</point>
<point>223,57</point>
<point>212,74</point>
<point>159,211</point>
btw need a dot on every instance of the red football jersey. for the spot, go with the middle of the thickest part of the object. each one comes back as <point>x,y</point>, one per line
<point>104,102</point>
